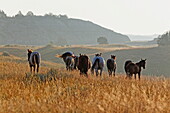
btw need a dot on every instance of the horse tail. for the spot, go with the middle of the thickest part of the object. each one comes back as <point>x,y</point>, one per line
<point>126,63</point>
<point>95,62</point>
<point>59,56</point>
<point>109,63</point>
<point>38,58</point>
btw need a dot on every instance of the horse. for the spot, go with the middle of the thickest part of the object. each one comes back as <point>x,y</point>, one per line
<point>64,55</point>
<point>84,64</point>
<point>111,65</point>
<point>68,58</point>
<point>69,61</point>
<point>98,64</point>
<point>33,59</point>
<point>134,68</point>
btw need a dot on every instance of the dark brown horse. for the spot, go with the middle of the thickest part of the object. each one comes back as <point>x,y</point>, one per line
<point>84,64</point>
<point>134,68</point>
<point>111,65</point>
<point>34,60</point>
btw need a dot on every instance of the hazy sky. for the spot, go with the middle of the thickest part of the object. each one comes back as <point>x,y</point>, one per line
<point>141,17</point>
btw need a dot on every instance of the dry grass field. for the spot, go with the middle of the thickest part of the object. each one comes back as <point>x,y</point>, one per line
<point>56,90</point>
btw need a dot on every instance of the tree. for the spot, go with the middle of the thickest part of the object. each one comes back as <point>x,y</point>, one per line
<point>2,14</point>
<point>30,13</point>
<point>63,16</point>
<point>102,40</point>
<point>164,40</point>
<point>19,14</point>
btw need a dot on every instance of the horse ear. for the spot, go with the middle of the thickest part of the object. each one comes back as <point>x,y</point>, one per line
<point>100,54</point>
<point>145,59</point>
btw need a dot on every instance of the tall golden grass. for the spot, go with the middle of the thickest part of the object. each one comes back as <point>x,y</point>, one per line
<point>70,92</point>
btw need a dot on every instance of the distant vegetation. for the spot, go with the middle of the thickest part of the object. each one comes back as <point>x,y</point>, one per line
<point>164,40</point>
<point>31,29</point>
<point>102,40</point>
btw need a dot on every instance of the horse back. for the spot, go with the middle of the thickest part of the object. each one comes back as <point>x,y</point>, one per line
<point>126,64</point>
<point>84,63</point>
<point>69,60</point>
<point>34,58</point>
<point>132,68</point>
<point>111,64</point>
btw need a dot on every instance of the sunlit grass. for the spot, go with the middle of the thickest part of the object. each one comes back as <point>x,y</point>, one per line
<point>57,90</point>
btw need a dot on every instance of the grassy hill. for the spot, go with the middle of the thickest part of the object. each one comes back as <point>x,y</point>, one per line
<point>70,92</point>
<point>158,61</point>
<point>41,30</point>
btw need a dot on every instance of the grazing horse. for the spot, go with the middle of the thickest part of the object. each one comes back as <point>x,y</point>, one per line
<point>84,64</point>
<point>135,68</point>
<point>111,65</point>
<point>69,61</point>
<point>98,64</point>
<point>34,59</point>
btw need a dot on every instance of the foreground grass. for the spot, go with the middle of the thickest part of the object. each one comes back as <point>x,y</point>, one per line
<point>70,92</point>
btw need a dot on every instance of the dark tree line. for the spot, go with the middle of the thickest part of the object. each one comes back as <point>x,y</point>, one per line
<point>164,40</point>
<point>30,13</point>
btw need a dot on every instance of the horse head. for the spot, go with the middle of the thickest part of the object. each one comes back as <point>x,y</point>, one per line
<point>113,56</point>
<point>29,53</point>
<point>143,63</point>
<point>98,54</point>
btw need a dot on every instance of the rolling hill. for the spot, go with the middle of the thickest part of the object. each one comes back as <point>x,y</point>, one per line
<point>42,30</point>
<point>158,60</point>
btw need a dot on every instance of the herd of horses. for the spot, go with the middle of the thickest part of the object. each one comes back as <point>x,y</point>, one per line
<point>83,64</point>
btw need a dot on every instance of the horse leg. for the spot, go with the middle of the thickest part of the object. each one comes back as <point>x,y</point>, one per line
<point>139,76</point>
<point>34,68</point>
<point>109,71</point>
<point>135,76</point>
<point>37,68</point>
<point>114,72</point>
<point>101,72</point>
<point>31,69</point>
<point>96,72</point>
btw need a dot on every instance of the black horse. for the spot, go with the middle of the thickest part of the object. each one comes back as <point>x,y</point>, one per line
<point>34,59</point>
<point>84,64</point>
<point>134,68</point>
<point>111,65</point>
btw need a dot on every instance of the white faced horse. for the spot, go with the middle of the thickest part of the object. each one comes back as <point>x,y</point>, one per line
<point>98,64</point>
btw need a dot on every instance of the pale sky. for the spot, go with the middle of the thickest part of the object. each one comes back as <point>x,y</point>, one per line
<point>139,17</point>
